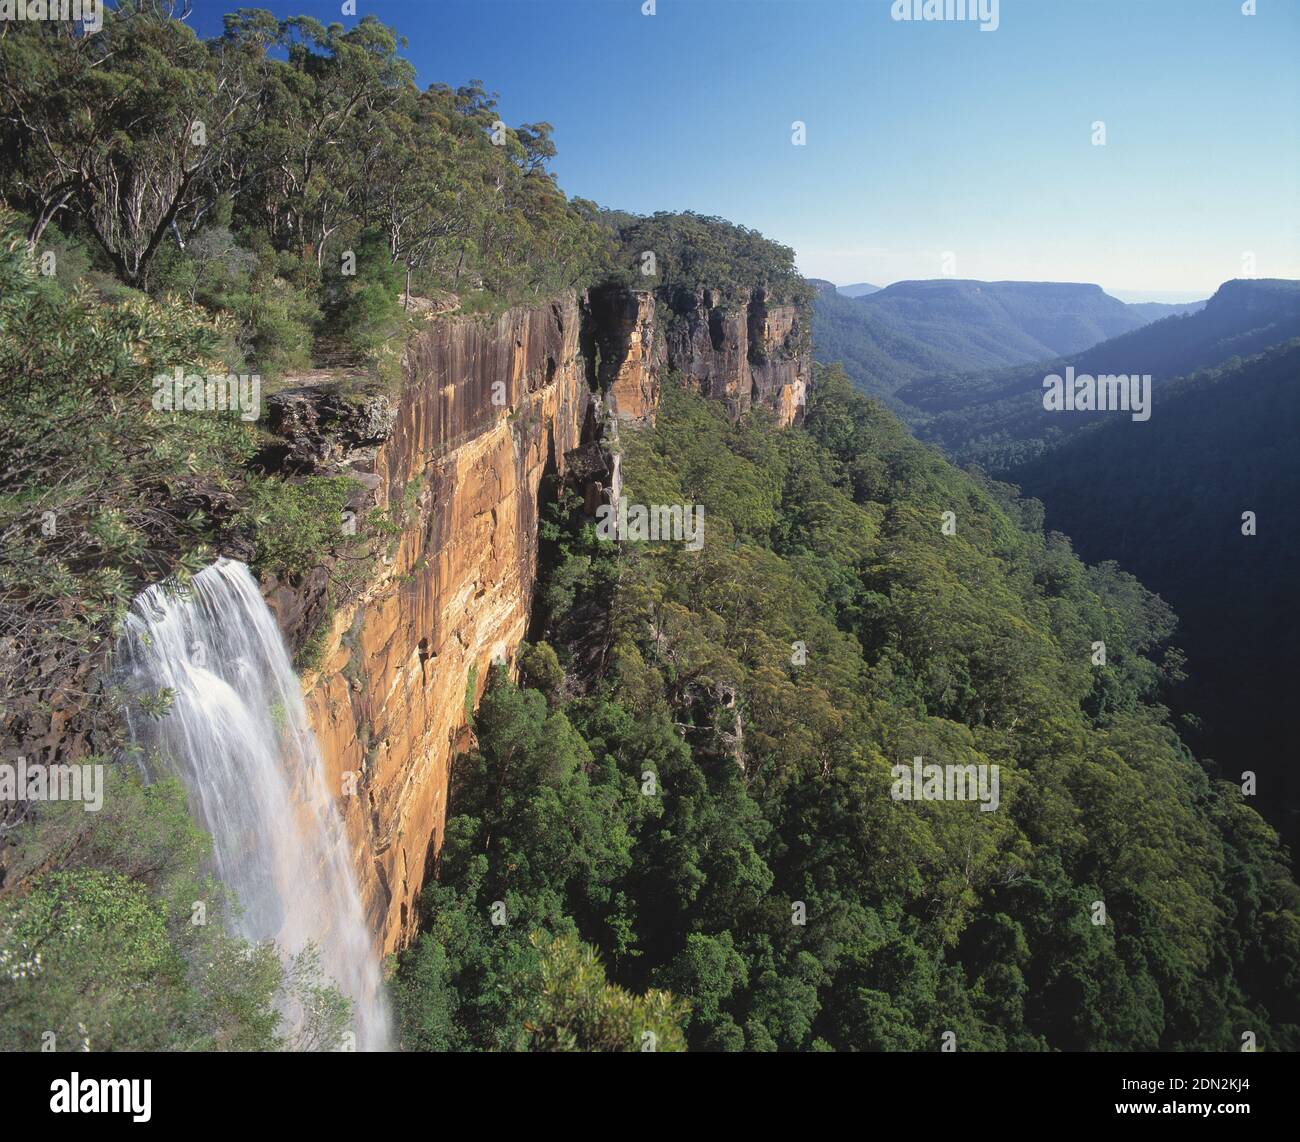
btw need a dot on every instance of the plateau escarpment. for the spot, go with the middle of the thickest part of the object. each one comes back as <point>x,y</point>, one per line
<point>739,347</point>
<point>487,411</point>
<point>457,465</point>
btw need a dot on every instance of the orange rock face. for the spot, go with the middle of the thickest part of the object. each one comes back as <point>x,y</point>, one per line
<point>489,409</point>
<point>738,349</point>
<point>780,363</point>
<point>624,330</point>
<point>487,412</point>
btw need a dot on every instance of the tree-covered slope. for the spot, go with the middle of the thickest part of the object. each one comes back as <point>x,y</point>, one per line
<point>716,811</point>
<point>1166,499</point>
<point>879,358</point>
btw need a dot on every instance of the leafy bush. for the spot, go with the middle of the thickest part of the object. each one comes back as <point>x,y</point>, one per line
<point>105,954</point>
<point>103,492</point>
<point>296,525</point>
<point>541,667</point>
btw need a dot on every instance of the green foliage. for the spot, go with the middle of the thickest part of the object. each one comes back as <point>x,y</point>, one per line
<point>878,357</point>
<point>694,251</point>
<point>295,525</point>
<point>533,835</point>
<point>471,691</point>
<point>681,804</point>
<point>273,321</point>
<point>317,144</point>
<point>681,784</point>
<point>103,492</point>
<point>87,948</point>
<point>104,953</point>
<point>362,310</point>
<point>579,1011</point>
<point>312,654</point>
<point>1168,503</point>
<point>424,998</point>
<point>541,668</point>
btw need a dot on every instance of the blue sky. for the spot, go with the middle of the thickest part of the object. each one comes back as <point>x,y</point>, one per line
<point>922,138</point>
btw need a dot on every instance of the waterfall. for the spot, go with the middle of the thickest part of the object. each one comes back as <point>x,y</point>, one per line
<point>237,735</point>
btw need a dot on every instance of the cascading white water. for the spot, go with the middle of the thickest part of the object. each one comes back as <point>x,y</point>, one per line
<point>238,737</point>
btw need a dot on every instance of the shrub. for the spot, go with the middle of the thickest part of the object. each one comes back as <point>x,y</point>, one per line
<point>295,525</point>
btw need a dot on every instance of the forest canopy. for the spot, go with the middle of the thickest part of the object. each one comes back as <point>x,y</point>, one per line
<point>712,811</point>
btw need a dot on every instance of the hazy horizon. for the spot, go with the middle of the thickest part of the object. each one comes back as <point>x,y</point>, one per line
<point>1131,296</point>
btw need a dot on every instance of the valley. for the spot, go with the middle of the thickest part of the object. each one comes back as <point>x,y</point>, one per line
<point>444,613</point>
<point>1164,494</point>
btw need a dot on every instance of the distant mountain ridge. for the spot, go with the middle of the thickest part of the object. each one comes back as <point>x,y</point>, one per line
<point>857,289</point>
<point>990,323</point>
<point>997,418</point>
<point>912,330</point>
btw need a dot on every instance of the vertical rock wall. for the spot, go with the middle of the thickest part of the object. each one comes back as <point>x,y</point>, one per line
<point>461,474</point>
<point>738,348</point>
<point>488,410</point>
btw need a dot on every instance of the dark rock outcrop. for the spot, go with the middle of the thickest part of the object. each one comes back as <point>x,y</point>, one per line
<point>325,424</point>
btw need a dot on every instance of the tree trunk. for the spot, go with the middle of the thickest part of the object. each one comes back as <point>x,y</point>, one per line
<point>44,217</point>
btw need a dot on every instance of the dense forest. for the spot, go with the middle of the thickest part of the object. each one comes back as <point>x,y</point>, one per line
<point>1164,498</point>
<point>1203,509</point>
<point>879,359</point>
<point>712,810</point>
<point>288,174</point>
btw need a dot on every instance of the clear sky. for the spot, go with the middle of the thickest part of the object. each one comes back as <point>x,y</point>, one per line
<point>922,138</point>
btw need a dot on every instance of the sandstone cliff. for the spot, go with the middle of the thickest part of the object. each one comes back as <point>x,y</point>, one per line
<point>739,348</point>
<point>628,348</point>
<point>457,461</point>
<point>486,412</point>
